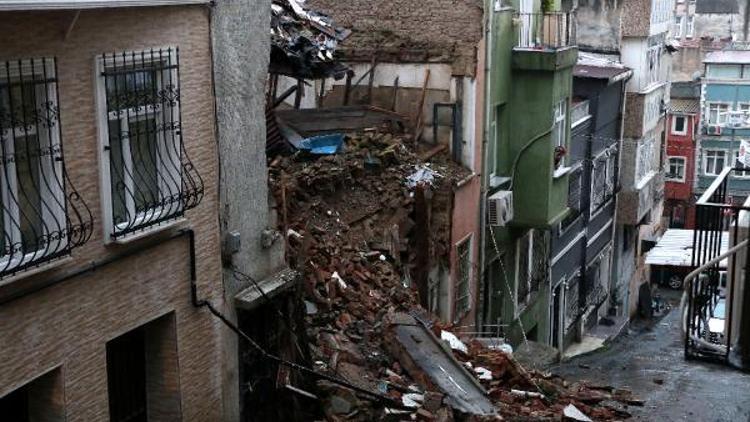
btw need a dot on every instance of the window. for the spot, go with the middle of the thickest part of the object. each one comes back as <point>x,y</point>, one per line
<point>143,374</point>
<point>738,164</point>
<point>677,29</point>
<point>690,26</point>
<point>645,160</point>
<point>713,162</point>
<point>676,169</point>
<point>653,57</point>
<point>679,125</point>
<point>603,179</point>
<point>531,268</point>
<point>716,113</point>
<point>35,222</point>
<point>148,177</point>
<point>463,285</point>
<point>39,400</point>
<point>723,71</point>
<point>559,132</point>
<point>574,200</point>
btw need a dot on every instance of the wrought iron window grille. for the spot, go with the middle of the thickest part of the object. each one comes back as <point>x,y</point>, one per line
<point>42,215</point>
<point>150,179</point>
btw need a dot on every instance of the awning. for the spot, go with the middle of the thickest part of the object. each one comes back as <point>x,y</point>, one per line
<point>675,249</point>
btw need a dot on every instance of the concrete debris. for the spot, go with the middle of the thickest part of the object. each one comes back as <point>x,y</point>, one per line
<point>359,318</point>
<point>572,413</point>
<point>454,342</point>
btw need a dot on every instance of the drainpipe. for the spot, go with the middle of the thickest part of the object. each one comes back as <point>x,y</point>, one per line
<point>484,179</point>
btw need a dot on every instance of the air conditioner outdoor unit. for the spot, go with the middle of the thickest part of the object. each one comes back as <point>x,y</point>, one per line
<point>500,208</point>
<point>714,130</point>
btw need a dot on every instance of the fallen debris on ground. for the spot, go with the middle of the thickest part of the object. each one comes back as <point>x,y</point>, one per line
<point>353,230</point>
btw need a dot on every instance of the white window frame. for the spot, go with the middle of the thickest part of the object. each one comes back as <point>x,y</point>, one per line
<point>654,53</point>
<point>677,26</point>
<point>690,26</point>
<point>559,129</point>
<point>721,109</point>
<point>715,170</point>
<point>103,118</point>
<point>52,194</point>
<point>739,174</point>
<point>674,124</point>
<point>682,165</point>
<point>644,165</point>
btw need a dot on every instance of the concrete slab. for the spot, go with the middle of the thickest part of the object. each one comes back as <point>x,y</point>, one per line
<point>588,344</point>
<point>251,297</point>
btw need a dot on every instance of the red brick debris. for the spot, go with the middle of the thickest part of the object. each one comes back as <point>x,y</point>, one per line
<point>350,230</point>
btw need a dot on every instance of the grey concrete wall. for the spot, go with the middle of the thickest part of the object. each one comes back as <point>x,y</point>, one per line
<point>241,53</point>
<point>599,24</point>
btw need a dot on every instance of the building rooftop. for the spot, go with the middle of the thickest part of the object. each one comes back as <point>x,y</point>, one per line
<point>675,248</point>
<point>684,105</point>
<point>728,57</point>
<point>716,6</point>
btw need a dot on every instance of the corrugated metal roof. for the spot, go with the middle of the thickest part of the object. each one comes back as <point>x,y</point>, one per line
<point>10,5</point>
<point>684,105</point>
<point>728,56</point>
<point>716,6</point>
<point>675,249</point>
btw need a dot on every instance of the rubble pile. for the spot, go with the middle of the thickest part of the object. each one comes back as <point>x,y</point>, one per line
<point>350,228</point>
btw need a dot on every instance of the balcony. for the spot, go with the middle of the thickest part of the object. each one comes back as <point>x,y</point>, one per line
<point>546,41</point>
<point>715,311</point>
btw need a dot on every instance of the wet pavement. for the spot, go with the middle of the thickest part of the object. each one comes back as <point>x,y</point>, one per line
<point>648,359</point>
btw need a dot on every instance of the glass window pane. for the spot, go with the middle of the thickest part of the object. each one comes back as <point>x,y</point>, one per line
<point>117,173</point>
<point>29,198</point>
<point>145,177</point>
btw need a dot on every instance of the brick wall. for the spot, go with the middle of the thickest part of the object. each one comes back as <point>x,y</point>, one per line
<point>67,325</point>
<point>430,30</point>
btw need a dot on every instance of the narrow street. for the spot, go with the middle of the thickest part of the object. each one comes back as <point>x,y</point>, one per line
<point>648,359</point>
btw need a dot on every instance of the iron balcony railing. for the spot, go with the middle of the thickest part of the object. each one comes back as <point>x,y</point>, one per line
<point>151,178</point>
<point>42,215</point>
<point>550,30</point>
<point>707,292</point>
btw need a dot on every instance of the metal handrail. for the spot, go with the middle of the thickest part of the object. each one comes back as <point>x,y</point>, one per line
<point>688,285</point>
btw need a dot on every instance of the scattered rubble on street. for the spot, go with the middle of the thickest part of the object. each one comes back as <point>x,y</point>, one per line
<point>351,230</point>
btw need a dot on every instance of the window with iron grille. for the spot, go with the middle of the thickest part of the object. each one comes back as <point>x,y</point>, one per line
<point>602,179</point>
<point>574,200</point>
<point>149,179</point>
<point>532,256</point>
<point>42,216</point>
<point>463,286</point>
<point>572,309</point>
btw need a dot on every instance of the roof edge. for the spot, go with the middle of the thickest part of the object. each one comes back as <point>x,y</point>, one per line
<point>31,5</point>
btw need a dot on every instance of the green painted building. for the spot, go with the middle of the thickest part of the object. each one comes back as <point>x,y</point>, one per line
<point>531,53</point>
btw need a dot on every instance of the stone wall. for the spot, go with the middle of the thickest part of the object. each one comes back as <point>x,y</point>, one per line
<point>445,31</point>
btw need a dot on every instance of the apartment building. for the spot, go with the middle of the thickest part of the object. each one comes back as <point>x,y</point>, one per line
<point>581,252</point>
<point>636,34</point>
<point>531,52</point>
<point>702,26</point>
<point>682,124</point>
<point>725,104</point>
<point>109,196</point>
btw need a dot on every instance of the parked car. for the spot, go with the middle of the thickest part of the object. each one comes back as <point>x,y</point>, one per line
<point>716,324</point>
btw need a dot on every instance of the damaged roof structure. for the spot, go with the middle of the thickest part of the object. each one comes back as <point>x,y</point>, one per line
<point>303,42</point>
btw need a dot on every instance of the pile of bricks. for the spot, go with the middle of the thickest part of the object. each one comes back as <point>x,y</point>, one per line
<point>349,229</point>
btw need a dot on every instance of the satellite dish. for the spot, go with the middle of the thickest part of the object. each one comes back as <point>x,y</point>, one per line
<point>697,75</point>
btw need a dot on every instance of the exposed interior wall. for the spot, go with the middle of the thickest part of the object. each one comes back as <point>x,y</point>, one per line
<point>434,31</point>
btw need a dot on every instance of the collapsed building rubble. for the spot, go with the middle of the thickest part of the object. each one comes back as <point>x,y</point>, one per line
<point>361,225</point>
